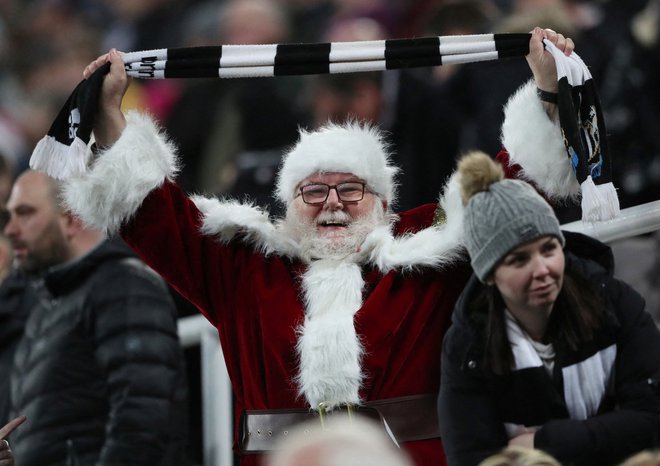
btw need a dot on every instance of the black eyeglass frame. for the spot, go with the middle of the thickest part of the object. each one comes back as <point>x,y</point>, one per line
<point>331,187</point>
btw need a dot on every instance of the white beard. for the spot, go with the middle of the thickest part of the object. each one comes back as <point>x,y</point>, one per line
<point>313,245</point>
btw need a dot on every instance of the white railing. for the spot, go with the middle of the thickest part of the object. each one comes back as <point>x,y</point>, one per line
<point>217,404</point>
<point>632,221</point>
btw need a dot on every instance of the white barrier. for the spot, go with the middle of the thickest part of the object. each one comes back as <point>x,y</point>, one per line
<point>217,404</point>
<point>633,221</point>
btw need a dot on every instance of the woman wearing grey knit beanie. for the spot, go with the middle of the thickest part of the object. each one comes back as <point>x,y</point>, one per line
<point>547,349</point>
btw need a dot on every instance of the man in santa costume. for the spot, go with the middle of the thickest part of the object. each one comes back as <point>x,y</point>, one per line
<point>341,302</point>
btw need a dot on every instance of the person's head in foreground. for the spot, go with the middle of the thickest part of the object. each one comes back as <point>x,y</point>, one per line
<point>516,248</point>
<point>644,458</point>
<point>520,456</point>
<point>338,185</point>
<point>342,441</point>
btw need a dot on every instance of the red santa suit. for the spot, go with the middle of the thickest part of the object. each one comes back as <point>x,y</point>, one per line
<point>296,332</point>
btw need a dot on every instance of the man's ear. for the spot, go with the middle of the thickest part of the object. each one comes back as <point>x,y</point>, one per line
<point>72,224</point>
<point>384,205</point>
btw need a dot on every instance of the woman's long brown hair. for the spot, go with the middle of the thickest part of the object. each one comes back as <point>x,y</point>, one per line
<point>577,312</point>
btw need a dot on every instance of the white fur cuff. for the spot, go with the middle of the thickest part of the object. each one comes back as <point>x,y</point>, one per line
<point>121,177</point>
<point>536,144</point>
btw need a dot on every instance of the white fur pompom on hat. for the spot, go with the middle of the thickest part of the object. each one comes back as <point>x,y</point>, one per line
<point>351,147</point>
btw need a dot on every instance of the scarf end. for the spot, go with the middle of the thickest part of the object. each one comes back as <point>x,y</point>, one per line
<point>599,202</point>
<point>59,160</point>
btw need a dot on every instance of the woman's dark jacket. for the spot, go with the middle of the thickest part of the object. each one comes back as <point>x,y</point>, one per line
<point>475,403</point>
<point>100,373</point>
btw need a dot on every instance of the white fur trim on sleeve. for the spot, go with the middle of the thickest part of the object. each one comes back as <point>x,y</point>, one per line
<point>536,144</point>
<point>226,219</point>
<point>121,177</point>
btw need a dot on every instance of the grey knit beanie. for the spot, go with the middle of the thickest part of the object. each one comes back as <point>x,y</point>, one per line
<point>500,214</point>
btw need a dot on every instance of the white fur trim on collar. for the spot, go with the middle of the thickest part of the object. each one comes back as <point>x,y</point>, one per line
<point>536,144</point>
<point>328,346</point>
<point>434,247</point>
<point>121,177</point>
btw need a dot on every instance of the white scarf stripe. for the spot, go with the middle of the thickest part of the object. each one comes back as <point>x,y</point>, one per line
<point>243,72</point>
<point>357,51</point>
<point>467,38</point>
<point>470,58</point>
<point>259,55</point>
<point>355,66</point>
<point>524,354</point>
<point>585,383</point>
<point>467,48</point>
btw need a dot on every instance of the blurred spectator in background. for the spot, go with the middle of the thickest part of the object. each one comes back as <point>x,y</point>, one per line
<point>15,303</point>
<point>147,24</point>
<point>99,371</point>
<point>144,25</point>
<point>402,102</point>
<point>6,179</point>
<point>458,17</point>
<point>48,41</point>
<point>231,133</point>
<point>475,93</point>
<point>13,151</point>
<point>630,94</point>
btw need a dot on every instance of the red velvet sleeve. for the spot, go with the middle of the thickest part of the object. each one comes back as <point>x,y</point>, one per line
<point>514,171</point>
<point>165,234</point>
<point>510,170</point>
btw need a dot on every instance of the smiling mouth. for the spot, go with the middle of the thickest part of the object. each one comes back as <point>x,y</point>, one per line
<point>332,224</point>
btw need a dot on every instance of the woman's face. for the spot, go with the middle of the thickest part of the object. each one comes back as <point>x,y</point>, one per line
<point>530,277</point>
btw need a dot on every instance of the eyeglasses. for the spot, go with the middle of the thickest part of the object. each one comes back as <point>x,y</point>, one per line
<point>317,193</point>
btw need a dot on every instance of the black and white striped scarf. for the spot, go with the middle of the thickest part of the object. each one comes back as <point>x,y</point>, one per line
<point>63,151</point>
<point>583,128</point>
<point>248,61</point>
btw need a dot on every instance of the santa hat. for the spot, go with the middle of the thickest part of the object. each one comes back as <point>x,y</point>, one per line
<point>351,147</point>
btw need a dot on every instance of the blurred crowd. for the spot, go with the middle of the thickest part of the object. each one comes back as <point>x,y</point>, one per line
<point>231,132</point>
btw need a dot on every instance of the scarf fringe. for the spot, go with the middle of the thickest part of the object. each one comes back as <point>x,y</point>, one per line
<point>599,202</point>
<point>59,160</point>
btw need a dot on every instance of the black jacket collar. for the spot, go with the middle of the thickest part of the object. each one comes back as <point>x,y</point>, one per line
<point>64,277</point>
